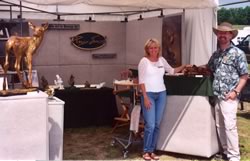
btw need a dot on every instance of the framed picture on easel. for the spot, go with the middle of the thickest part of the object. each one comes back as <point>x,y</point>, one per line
<point>171,39</point>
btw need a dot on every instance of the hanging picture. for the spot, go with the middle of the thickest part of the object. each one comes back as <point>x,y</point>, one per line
<point>171,39</point>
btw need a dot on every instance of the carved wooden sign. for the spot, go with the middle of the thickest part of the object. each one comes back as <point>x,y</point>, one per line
<point>88,41</point>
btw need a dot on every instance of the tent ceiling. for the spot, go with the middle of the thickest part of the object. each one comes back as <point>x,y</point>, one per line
<point>133,3</point>
<point>76,9</point>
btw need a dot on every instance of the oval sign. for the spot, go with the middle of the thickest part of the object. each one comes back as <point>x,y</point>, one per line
<point>88,41</point>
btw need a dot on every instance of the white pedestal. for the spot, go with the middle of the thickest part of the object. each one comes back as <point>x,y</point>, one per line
<point>56,113</point>
<point>188,127</point>
<point>23,127</point>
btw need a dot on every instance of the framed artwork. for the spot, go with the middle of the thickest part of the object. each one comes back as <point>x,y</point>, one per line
<point>171,39</point>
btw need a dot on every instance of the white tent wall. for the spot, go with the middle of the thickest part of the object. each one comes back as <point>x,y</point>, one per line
<point>199,38</point>
<point>57,56</point>
<point>137,32</point>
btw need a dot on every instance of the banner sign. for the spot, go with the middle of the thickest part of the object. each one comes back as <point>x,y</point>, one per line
<point>88,41</point>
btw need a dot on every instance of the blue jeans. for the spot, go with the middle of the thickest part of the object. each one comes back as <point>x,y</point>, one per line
<point>152,119</point>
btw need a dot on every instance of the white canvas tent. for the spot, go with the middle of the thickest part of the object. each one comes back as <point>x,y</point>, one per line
<point>198,40</point>
<point>85,7</point>
<point>200,16</point>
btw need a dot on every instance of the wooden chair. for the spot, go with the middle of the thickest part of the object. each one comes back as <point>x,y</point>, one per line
<point>125,95</point>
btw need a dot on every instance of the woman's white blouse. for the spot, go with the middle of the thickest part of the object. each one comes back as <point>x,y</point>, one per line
<point>151,74</point>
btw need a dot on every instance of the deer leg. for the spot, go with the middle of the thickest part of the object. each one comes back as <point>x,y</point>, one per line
<point>29,66</point>
<point>20,75</point>
<point>6,67</point>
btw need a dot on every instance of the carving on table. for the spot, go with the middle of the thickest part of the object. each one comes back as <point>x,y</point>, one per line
<point>23,47</point>
<point>87,84</point>
<point>44,83</point>
<point>71,81</point>
<point>194,70</point>
<point>59,82</point>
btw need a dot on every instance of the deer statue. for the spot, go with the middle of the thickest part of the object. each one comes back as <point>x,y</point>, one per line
<point>23,47</point>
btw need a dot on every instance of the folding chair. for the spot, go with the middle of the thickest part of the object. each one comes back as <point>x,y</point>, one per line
<point>124,94</point>
<point>132,117</point>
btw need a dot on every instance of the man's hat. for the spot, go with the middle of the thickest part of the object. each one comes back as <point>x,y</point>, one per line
<point>225,26</point>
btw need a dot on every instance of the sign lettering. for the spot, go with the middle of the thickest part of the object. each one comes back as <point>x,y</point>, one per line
<point>88,41</point>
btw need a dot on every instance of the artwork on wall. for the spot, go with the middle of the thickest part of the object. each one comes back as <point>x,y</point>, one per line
<point>171,39</point>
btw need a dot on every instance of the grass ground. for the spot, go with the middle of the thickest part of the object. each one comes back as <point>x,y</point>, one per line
<point>94,143</point>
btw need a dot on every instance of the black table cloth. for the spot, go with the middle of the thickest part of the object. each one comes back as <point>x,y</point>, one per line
<point>185,85</point>
<point>88,107</point>
<point>188,85</point>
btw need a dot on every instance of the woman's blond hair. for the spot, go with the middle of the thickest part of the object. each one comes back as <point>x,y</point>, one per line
<point>149,43</point>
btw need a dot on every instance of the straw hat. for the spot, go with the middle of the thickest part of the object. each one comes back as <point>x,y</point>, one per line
<point>225,26</point>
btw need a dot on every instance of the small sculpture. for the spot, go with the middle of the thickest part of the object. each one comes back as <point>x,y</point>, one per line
<point>50,92</point>
<point>59,82</point>
<point>87,84</point>
<point>71,81</point>
<point>23,47</point>
<point>44,83</point>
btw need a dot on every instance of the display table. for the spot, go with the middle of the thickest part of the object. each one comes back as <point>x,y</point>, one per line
<point>56,113</point>
<point>184,85</point>
<point>88,106</point>
<point>188,124</point>
<point>24,127</point>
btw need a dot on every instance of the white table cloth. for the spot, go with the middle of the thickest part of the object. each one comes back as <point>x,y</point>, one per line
<point>188,126</point>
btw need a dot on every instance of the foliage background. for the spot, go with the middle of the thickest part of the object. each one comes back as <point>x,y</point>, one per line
<point>236,16</point>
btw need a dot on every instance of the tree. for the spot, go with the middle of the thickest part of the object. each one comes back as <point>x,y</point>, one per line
<point>236,16</point>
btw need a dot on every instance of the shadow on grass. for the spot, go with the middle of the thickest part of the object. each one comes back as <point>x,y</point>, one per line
<point>245,115</point>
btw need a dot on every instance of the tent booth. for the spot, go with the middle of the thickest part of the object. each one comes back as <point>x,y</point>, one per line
<point>57,55</point>
<point>124,45</point>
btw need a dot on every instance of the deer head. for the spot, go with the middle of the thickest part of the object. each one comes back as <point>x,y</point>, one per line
<point>38,31</point>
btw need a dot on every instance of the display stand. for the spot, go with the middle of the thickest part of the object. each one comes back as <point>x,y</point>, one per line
<point>56,119</point>
<point>188,127</point>
<point>24,127</point>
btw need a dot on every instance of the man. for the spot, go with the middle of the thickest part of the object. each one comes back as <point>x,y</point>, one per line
<point>230,71</point>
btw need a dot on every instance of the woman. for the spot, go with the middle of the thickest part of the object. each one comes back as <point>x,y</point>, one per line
<point>152,68</point>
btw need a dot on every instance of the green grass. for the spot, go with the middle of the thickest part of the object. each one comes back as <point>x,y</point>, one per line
<point>244,134</point>
<point>94,143</point>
